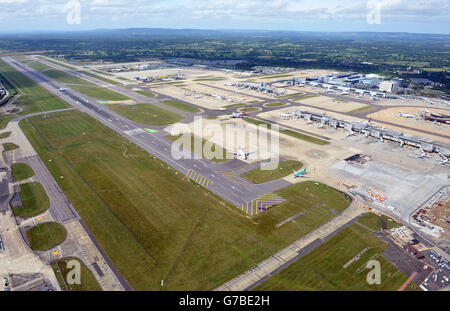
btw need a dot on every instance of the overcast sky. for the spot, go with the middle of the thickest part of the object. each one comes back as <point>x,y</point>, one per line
<point>421,16</point>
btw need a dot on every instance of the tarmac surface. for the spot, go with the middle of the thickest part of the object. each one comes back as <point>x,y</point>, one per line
<point>236,193</point>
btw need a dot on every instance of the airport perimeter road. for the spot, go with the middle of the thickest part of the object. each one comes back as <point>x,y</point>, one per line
<point>234,192</point>
<point>273,264</point>
<point>80,242</point>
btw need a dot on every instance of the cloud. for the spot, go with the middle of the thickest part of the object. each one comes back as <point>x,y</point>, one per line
<point>231,13</point>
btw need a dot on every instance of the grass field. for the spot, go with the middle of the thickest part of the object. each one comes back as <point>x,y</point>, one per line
<point>322,268</point>
<point>297,135</point>
<point>10,146</point>
<point>5,135</point>
<point>83,86</point>
<point>250,109</point>
<point>4,120</point>
<point>21,171</point>
<point>147,114</point>
<point>376,222</point>
<point>90,74</point>
<point>289,95</point>
<point>180,106</point>
<point>222,155</point>
<point>303,97</point>
<point>87,279</point>
<point>99,93</point>
<point>285,168</point>
<point>275,104</point>
<point>34,98</point>
<point>362,109</point>
<point>145,93</point>
<point>34,200</point>
<point>45,236</point>
<point>153,223</point>
<point>58,63</point>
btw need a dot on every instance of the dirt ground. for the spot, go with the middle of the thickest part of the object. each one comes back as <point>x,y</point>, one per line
<point>355,119</point>
<point>393,115</point>
<point>332,103</point>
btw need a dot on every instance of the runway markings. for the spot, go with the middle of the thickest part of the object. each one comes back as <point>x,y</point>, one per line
<point>201,180</point>
<point>134,131</point>
<point>261,204</point>
<point>227,174</point>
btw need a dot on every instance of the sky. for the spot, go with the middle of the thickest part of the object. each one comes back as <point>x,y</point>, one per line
<point>414,16</point>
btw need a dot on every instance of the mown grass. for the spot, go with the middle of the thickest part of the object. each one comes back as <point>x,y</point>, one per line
<point>303,97</point>
<point>83,86</point>
<point>147,114</point>
<point>290,95</point>
<point>362,109</point>
<point>376,222</point>
<point>5,135</point>
<point>288,132</point>
<point>87,73</point>
<point>250,109</point>
<point>284,168</point>
<point>155,224</point>
<point>34,200</point>
<point>34,98</point>
<point>180,106</point>
<point>87,279</point>
<point>145,93</point>
<point>45,236</point>
<point>276,104</point>
<point>21,171</point>
<point>10,146</point>
<point>322,269</point>
<point>60,63</point>
<point>100,93</point>
<point>4,120</point>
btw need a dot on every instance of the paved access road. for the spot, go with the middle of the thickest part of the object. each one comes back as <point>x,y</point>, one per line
<point>251,278</point>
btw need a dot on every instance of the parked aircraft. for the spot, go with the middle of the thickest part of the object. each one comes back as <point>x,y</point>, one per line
<point>241,153</point>
<point>299,174</point>
<point>241,114</point>
<point>405,115</point>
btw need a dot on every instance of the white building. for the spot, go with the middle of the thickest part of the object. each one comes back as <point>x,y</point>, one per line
<point>389,86</point>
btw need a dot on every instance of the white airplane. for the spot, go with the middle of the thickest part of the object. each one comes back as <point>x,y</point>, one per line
<point>445,160</point>
<point>241,114</point>
<point>422,155</point>
<point>241,153</point>
<point>286,116</point>
<point>62,89</point>
<point>407,116</point>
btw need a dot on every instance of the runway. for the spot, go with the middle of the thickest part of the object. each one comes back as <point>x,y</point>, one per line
<point>236,193</point>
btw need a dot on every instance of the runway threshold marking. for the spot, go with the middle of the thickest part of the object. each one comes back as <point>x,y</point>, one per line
<point>261,204</point>
<point>199,179</point>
